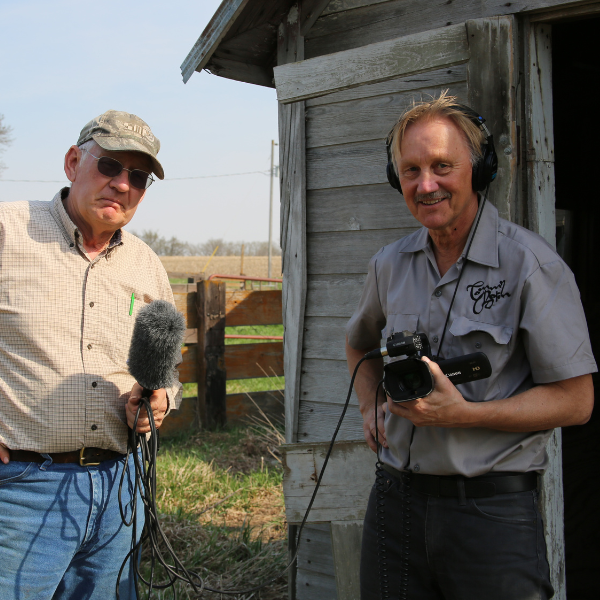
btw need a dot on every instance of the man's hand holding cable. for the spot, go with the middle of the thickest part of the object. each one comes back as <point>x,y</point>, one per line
<point>158,402</point>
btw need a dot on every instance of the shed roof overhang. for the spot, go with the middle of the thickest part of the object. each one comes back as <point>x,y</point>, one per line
<point>240,41</point>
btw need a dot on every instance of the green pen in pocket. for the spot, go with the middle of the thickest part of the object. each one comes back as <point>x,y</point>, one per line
<point>131,305</point>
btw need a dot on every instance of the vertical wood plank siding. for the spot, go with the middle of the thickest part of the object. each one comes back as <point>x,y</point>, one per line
<point>293,221</point>
<point>541,197</point>
<point>493,77</point>
<point>351,212</point>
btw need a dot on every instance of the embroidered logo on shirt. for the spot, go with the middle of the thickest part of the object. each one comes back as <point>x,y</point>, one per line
<point>486,296</point>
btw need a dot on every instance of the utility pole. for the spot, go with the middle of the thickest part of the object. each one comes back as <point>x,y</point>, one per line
<point>273,144</point>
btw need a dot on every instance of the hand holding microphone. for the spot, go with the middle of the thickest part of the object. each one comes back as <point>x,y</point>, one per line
<point>154,353</point>
<point>159,403</point>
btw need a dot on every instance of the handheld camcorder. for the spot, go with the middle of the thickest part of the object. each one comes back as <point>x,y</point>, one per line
<point>411,378</point>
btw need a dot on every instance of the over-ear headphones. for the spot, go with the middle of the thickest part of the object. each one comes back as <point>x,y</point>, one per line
<point>484,172</point>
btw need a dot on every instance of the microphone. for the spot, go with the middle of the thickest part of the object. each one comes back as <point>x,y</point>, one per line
<point>156,343</point>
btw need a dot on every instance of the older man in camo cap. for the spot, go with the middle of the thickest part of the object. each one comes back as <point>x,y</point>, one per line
<point>71,284</point>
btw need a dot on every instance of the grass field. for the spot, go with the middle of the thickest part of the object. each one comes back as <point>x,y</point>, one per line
<point>221,505</point>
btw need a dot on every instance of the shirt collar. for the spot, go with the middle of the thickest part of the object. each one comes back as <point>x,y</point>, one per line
<point>484,249</point>
<point>69,228</point>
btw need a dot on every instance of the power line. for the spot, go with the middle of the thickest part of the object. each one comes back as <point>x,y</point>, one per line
<point>166,179</point>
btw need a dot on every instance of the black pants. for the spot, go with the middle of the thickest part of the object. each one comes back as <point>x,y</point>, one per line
<point>489,549</point>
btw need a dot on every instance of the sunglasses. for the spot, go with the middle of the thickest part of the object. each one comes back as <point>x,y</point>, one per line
<point>110,167</point>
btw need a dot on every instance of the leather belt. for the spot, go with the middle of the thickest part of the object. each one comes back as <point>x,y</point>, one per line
<point>86,457</point>
<point>457,486</point>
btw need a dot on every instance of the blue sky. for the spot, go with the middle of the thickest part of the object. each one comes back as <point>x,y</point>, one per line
<point>64,62</point>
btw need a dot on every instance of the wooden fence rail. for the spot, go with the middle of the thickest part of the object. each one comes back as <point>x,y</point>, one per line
<point>208,307</point>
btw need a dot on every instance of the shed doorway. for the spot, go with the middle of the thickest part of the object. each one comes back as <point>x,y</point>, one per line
<point>575,88</point>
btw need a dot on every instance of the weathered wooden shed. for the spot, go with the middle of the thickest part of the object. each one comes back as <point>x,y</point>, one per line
<point>344,70</point>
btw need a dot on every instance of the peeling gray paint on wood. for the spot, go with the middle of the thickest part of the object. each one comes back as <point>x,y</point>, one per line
<point>354,249</point>
<point>446,76</point>
<point>357,208</point>
<point>336,500</point>
<point>317,422</point>
<point>540,150</point>
<point>326,380</point>
<point>493,77</point>
<point>346,541</point>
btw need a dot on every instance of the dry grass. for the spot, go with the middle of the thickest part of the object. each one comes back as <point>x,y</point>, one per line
<point>254,266</point>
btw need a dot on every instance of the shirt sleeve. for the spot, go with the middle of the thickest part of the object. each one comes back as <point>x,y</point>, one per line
<point>553,325</point>
<point>365,326</point>
<point>174,392</point>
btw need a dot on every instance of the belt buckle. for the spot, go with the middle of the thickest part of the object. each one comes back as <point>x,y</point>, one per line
<point>82,461</point>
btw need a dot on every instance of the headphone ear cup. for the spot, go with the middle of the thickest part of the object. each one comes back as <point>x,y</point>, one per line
<point>393,177</point>
<point>487,168</point>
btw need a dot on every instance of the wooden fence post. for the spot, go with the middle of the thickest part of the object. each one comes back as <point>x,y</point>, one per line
<point>212,377</point>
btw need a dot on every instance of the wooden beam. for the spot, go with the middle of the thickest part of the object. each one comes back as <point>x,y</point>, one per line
<point>260,307</point>
<point>242,406</point>
<point>214,32</point>
<point>376,62</point>
<point>336,6</point>
<point>210,303</point>
<point>561,13</point>
<point>540,132</point>
<point>311,11</point>
<point>242,307</point>
<point>246,361</point>
<point>292,161</point>
<point>501,7</point>
<point>240,71</point>
<point>241,361</point>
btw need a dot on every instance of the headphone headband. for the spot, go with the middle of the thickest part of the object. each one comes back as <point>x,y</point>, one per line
<point>484,172</point>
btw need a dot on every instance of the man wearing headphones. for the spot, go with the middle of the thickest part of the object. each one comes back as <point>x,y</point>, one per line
<point>454,513</point>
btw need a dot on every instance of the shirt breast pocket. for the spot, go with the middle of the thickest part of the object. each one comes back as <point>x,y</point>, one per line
<point>478,336</point>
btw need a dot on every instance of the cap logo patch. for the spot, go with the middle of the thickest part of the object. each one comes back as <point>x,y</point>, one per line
<point>143,131</point>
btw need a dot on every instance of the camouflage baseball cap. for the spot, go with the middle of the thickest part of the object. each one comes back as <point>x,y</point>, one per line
<point>117,131</point>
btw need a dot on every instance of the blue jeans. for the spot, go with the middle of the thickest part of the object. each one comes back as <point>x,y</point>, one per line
<point>61,534</point>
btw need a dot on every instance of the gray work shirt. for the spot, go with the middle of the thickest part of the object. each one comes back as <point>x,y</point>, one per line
<point>517,302</point>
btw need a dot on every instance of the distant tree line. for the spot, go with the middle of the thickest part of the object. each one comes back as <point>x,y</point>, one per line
<point>5,139</point>
<point>176,247</point>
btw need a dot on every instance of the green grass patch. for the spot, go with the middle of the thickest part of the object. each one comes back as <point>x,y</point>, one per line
<point>241,386</point>
<point>221,504</point>
<point>252,330</point>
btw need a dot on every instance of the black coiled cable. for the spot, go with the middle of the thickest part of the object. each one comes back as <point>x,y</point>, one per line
<point>405,544</point>
<point>381,487</point>
<point>152,534</point>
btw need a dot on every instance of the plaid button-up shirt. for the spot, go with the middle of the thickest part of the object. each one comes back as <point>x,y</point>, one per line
<point>65,329</point>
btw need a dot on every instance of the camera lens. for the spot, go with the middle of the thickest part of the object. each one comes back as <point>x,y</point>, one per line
<point>412,380</point>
